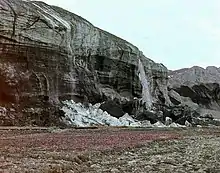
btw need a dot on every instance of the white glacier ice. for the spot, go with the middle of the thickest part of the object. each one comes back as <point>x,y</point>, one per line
<point>127,120</point>
<point>79,115</point>
<point>146,96</point>
<point>176,125</point>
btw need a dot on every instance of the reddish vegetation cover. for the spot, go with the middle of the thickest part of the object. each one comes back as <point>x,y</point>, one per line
<point>42,150</point>
<point>79,140</point>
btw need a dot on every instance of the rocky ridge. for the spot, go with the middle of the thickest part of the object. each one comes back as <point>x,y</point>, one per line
<point>198,87</point>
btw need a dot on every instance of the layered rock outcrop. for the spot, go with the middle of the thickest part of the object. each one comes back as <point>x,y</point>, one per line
<point>48,55</point>
<point>197,86</point>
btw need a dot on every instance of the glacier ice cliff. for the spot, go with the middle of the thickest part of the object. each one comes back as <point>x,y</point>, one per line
<point>48,55</point>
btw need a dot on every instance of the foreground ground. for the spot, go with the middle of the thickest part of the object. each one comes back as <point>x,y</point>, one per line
<point>115,150</point>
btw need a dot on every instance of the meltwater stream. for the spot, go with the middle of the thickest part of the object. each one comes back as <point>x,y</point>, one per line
<point>146,95</point>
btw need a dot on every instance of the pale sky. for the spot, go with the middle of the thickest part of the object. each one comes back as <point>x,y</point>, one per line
<point>177,33</point>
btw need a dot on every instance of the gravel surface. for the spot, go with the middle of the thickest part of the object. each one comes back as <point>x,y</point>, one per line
<point>110,150</point>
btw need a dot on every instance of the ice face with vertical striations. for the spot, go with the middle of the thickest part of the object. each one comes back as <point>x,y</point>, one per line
<point>146,95</point>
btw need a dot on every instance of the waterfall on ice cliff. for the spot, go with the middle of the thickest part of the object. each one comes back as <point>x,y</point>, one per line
<point>146,96</point>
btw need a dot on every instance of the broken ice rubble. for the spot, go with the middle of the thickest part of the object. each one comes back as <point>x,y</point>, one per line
<point>79,115</point>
